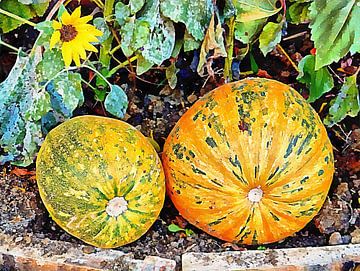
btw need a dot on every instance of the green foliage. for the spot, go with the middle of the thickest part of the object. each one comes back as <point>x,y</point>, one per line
<point>26,9</point>
<point>116,102</point>
<point>34,88</point>
<point>318,81</point>
<point>171,72</point>
<point>347,102</point>
<point>270,37</point>
<point>298,12</point>
<point>22,104</point>
<point>176,228</point>
<point>195,15</point>
<point>246,32</point>
<point>334,29</point>
<point>146,33</point>
<point>250,10</point>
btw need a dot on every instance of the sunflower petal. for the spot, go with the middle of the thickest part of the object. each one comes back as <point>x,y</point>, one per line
<point>66,18</point>
<point>66,53</point>
<point>90,47</point>
<point>55,38</point>
<point>56,25</point>
<point>76,14</point>
<point>75,56</point>
<point>85,19</point>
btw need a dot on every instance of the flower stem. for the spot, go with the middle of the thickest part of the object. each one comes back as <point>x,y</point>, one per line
<point>122,65</point>
<point>9,46</point>
<point>16,17</point>
<point>230,49</point>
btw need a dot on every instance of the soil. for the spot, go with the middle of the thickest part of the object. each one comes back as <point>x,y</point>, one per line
<point>155,107</point>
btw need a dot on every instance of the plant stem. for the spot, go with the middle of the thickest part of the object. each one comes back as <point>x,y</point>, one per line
<point>106,45</point>
<point>16,17</point>
<point>9,46</point>
<point>230,49</point>
<point>98,73</point>
<point>99,3</point>
<point>121,65</point>
<point>288,57</point>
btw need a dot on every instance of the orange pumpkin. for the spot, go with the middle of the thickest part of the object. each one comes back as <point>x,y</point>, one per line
<point>250,162</point>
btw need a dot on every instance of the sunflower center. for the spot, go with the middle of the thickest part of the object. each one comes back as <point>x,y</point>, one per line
<point>67,33</point>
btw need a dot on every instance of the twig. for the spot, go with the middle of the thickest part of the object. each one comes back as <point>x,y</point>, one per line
<point>287,56</point>
<point>337,76</point>
<point>54,10</point>
<point>9,46</point>
<point>16,17</point>
<point>295,36</point>
<point>122,65</point>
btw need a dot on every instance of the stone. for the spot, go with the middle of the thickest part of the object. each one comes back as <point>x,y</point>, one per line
<point>335,239</point>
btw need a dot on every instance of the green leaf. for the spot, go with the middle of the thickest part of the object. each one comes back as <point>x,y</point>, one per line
<point>142,65</point>
<point>171,72</point>
<point>66,93</point>
<point>195,15</point>
<point>334,29</point>
<point>190,43</point>
<point>25,11</point>
<point>347,103</point>
<point>22,104</point>
<point>319,81</point>
<point>247,32</point>
<point>136,5</point>
<point>122,13</point>
<point>213,41</point>
<point>116,101</point>
<point>50,65</point>
<point>253,64</point>
<point>135,34</point>
<point>174,228</point>
<point>161,42</point>
<point>101,25</point>
<point>189,232</point>
<point>177,48</point>
<point>250,10</point>
<point>270,37</point>
<point>298,13</point>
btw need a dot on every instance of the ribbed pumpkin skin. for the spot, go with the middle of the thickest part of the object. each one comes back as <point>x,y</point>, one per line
<point>254,133</point>
<point>87,161</point>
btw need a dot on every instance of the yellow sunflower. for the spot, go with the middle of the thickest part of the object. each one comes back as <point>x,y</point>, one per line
<point>75,36</point>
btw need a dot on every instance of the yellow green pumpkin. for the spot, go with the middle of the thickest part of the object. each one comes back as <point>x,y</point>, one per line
<point>250,162</point>
<point>101,180</point>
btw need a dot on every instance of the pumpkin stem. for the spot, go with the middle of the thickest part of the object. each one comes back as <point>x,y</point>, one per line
<point>255,194</point>
<point>116,206</point>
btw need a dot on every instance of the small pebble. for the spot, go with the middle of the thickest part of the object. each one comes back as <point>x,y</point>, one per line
<point>355,236</point>
<point>88,249</point>
<point>335,239</point>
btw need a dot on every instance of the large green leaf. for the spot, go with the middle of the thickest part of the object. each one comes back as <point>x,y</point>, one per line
<point>347,103</point>
<point>246,32</point>
<point>22,104</point>
<point>190,43</point>
<point>250,10</point>
<point>195,14</point>
<point>26,11</point>
<point>334,29</point>
<point>270,37</point>
<point>318,81</point>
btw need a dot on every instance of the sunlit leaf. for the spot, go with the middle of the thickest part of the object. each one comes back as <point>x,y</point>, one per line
<point>270,37</point>
<point>246,32</point>
<point>334,29</point>
<point>250,10</point>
